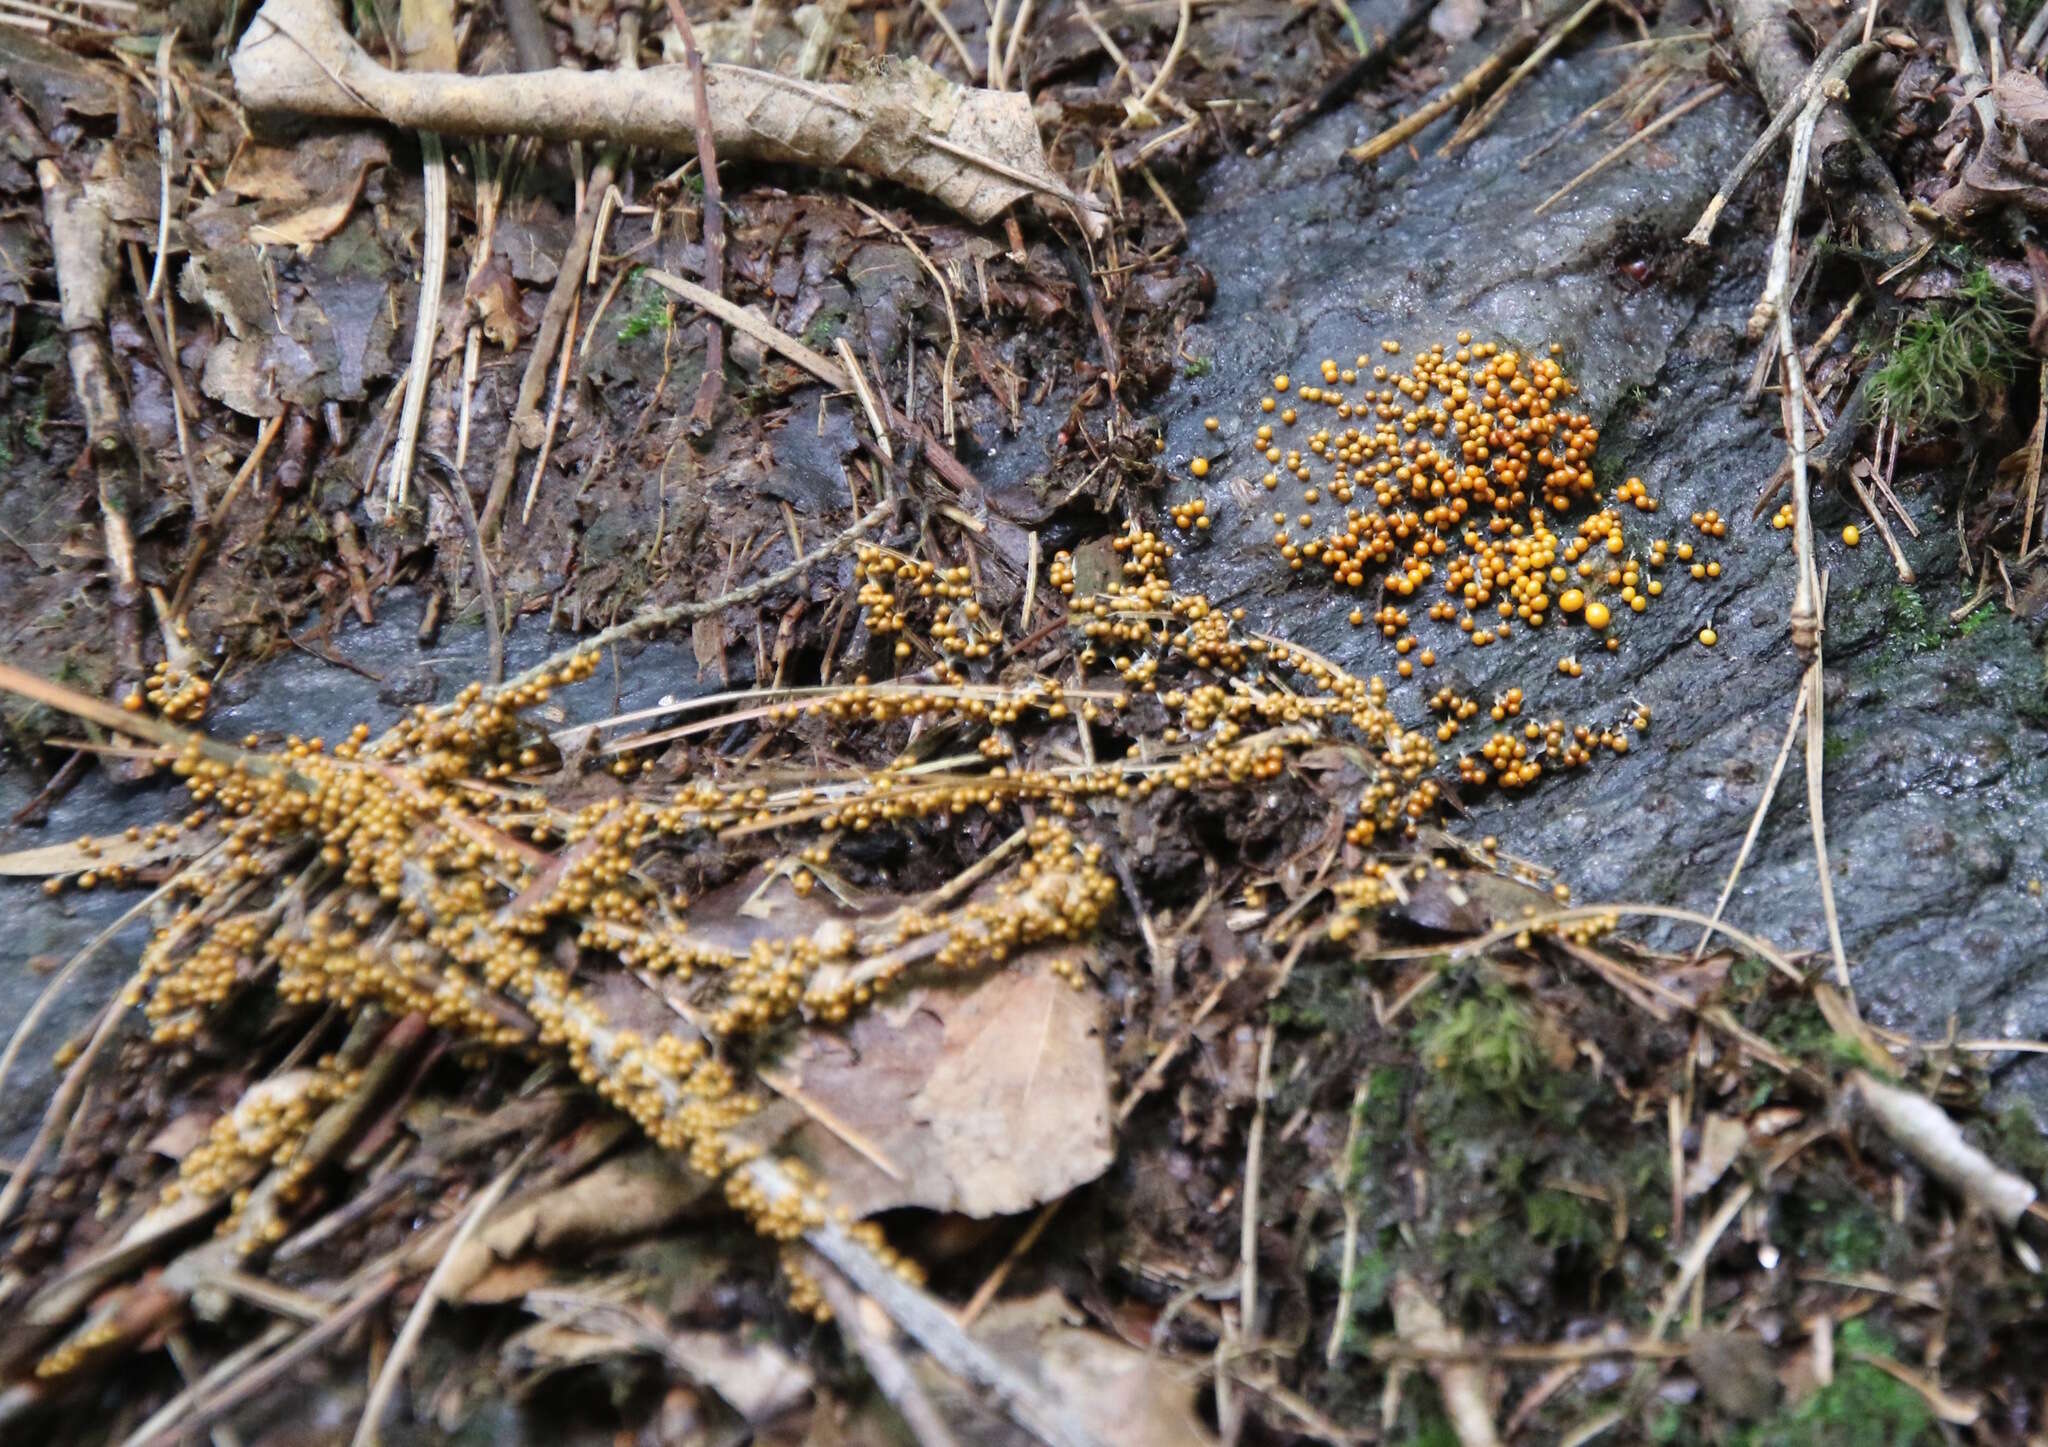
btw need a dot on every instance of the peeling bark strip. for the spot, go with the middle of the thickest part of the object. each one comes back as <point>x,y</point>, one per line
<point>977,151</point>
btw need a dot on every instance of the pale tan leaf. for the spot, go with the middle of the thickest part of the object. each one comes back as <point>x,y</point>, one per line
<point>318,221</point>
<point>1125,1397</point>
<point>426,34</point>
<point>618,1201</point>
<point>1721,1141</point>
<point>986,1098</point>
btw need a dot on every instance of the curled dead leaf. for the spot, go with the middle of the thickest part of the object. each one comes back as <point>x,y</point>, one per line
<point>1125,1397</point>
<point>986,1098</point>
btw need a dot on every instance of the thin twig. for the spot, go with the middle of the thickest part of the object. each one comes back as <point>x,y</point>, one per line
<point>936,453</point>
<point>947,386</point>
<point>1180,39</point>
<point>554,417</point>
<point>1756,818</point>
<point>1704,227</point>
<point>205,1410</point>
<point>1774,298</point>
<point>165,46</point>
<point>1884,530</point>
<point>1018,29</point>
<point>986,1292</point>
<point>1695,1258</point>
<point>433,272</point>
<point>938,15</point>
<point>928,1323</point>
<point>652,619</point>
<point>62,1101</point>
<point>2034,444</point>
<point>1347,1190</point>
<point>886,1365</point>
<point>1816,752</point>
<point>870,401</point>
<point>1670,117</point>
<point>1475,124</point>
<point>1970,69</point>
<point>527,427</point>
<point>712,383</point>
<point>195,552</point>
<point>78,960</point>
<point>1468,85</point>
<point>1231,1412</point>
<point>451,482</point>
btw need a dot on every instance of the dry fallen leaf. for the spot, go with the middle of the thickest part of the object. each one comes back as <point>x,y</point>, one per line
<point>318,221</point>
<point>977,151</point>
<point>2005,170</point>
<point>292,177</point>
<point>756,1377</point>
<point>1124,1396</point>
<point>1721,1141</point>
<point>985,1098</point>
<point>621,1199</point>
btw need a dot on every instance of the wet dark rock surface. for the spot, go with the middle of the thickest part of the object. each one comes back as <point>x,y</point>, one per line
<point>1936,770</point>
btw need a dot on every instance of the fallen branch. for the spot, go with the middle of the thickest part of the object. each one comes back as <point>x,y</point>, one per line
<point>81,240</point>
<point>1793,104</point>
<point>1866,194</point>
<point>975,151</point>
<point>1924,1131</point>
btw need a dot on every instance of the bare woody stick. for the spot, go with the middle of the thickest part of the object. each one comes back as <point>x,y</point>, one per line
<point>81,237</point>
<point>712,383</point>
<point>975,151</point>
<point>1794,103</point>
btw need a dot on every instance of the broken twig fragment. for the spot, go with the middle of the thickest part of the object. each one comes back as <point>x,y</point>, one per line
<point>1924,1131</point>
<point>977,151</point>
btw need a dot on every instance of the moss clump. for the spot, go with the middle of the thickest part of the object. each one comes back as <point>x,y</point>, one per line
<point>1486,1043</point>
<point>1949,357</point>
<point>1558,1218</point>
<point>1985,615</point>
<point>1862,1407</point>
<point>654,313</point>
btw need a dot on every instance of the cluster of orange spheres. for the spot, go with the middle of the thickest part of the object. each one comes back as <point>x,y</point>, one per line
<point>1465,475</point>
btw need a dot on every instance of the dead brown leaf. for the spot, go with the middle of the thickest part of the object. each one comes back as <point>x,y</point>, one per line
<point>289,177</point>
<point>985,1098</point>
<point>618,1201</point>
<point>756,1377</point>
<point>2003,170</point>
<point>1126,1397</point>
<point>318,221</point>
